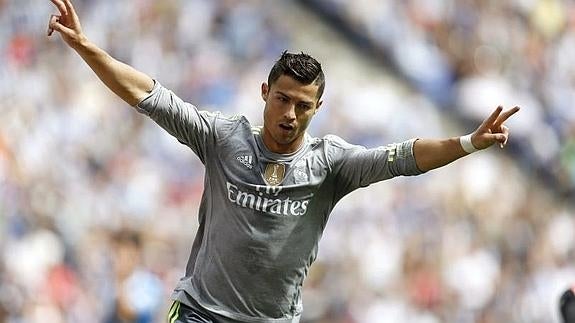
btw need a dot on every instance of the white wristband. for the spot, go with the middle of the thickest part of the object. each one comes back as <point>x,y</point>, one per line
<point>466,144</point>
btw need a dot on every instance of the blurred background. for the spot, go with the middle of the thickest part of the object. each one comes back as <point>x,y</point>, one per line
<point>98,205</point>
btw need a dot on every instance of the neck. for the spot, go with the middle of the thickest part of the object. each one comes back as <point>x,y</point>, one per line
<point>279,148</point>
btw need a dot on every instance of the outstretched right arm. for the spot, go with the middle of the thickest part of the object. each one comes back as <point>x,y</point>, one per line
<point>125,81</point>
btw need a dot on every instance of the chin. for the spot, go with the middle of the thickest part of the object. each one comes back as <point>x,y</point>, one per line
<point>283,139</point>
<point>284,142</point>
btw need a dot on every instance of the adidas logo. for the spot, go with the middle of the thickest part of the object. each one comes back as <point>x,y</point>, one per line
<point>245,160</point>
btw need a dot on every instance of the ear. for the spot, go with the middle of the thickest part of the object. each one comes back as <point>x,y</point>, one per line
<point>265,91</point>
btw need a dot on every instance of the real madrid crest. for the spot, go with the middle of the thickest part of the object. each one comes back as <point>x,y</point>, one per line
<point>274,173</point>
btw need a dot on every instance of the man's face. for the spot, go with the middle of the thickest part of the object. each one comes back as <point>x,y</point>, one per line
<point>290,106</point>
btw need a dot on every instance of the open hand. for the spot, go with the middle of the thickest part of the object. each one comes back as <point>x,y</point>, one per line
<point>493,130</point>
<point>67,23</point>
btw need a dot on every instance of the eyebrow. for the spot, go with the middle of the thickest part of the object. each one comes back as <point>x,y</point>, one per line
<point>287,96</point>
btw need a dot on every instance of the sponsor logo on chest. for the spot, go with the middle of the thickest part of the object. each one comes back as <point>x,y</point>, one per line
<point>267,199</point>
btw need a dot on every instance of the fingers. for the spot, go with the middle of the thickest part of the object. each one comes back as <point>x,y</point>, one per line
<point>505,133</point>
<point>61,6</point>
<point>504,130</point>
<point>492,129</point>
<point>71,9</point>
<point>68,5</point>
<point>53,20</point>
<point>504,116</point>
<point>491,119</point>
<point>56,25</point>
<point>67,22</point>
<point>497,118</point>
<point>497,137</point>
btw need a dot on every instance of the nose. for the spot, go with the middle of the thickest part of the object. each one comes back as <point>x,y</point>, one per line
<point>289,113</point>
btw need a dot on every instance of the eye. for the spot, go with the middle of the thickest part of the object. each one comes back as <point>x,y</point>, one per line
<point>283,99</point>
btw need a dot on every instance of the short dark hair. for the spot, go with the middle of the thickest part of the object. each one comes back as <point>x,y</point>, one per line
<point>567,306</point>
<point>301,67</point>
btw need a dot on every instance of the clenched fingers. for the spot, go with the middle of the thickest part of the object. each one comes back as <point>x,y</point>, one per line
<point>503,136</point>
<point>505,131</point>
<point>54,19</point>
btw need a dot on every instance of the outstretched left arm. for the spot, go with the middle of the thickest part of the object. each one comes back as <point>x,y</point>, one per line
<point>432,153</point>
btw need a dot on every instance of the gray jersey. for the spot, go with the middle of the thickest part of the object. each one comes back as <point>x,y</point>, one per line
<point>262,214</point>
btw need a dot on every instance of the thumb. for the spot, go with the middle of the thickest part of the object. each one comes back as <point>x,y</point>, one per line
<point>51,22</point>
<point>55,25</point>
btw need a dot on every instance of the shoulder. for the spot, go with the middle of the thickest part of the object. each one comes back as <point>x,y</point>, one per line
<point>336,149</point>
<point>228,125</point>
<point>334,142</point>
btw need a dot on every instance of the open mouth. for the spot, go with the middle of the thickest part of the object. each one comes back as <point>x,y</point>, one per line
<point>287,126</point>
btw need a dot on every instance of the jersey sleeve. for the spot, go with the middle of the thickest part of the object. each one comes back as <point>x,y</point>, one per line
<point>193,128</point>
<point>356,166</point>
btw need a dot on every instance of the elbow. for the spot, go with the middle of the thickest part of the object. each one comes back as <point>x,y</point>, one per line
<point>423,165</point>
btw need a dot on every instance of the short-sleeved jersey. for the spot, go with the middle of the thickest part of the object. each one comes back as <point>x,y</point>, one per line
<point>258,232</point>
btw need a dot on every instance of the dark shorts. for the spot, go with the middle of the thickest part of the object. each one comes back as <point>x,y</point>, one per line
<point>180,313</point>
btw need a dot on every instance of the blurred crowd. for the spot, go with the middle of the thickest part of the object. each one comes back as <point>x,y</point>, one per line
<point>98,205</point>
<point>470,54</point>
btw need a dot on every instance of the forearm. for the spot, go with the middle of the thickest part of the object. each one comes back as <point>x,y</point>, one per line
<point>125,81</point>
<point>434,153</point>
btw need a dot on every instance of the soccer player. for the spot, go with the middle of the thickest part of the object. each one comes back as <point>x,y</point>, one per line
<point>268,190</point>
